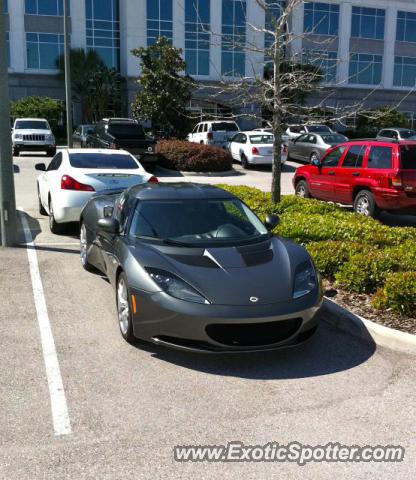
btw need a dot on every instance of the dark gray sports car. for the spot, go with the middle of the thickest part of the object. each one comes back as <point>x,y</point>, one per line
<point>195,269</point>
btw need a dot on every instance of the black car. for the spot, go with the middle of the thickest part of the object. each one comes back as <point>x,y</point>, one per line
<point>125,134</point>
<point>195,269</point>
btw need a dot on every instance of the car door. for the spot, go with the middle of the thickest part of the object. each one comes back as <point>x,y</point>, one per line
<point>235,145</point>
<point>306,146</point>
<point>321,181</point>
<point>347,173</point>
<point>47,179</point>
<point>295,148</point>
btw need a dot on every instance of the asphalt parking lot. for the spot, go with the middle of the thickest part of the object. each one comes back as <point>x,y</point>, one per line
<point>128,406</point>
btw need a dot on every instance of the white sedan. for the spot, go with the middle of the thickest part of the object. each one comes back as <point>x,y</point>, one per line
<point>252,148</point>
<point>74,175</point>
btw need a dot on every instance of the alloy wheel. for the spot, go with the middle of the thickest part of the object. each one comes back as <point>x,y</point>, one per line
<point>123,307</point>
<point>363,206</point>
<point>83,245</point>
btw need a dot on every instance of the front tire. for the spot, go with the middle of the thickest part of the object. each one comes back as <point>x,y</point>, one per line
<point>42,211</point>
<point>313,157</point>
<point>123,309</point>
<point>364,204</point>
<point>54,226</point>
<point>83,248</point>
<point>302,189</point>
<point>16,152</point>
<point>244,162</point>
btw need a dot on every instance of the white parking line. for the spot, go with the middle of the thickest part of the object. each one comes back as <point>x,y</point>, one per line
<point>60,417</point>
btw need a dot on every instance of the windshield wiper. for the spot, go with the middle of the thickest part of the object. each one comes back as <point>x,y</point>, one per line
<point>171,241</point>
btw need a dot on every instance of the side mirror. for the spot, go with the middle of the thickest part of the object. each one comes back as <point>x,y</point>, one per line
<point>109,224</point>
<point>315,162</point>
<point>41,167</point>
<point>271,221</point>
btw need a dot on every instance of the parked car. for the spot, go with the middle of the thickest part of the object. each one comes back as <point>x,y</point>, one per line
<point>126,134</point>
<point>74,175</point>
<point>252,148</point>
<point>215,132</point>
<point>294,131</point>
<point>32,135</point>
<point>368,174</point>
<point>311,146</point>
<point>194,268</point>
<point>79,137</point>
<point>389,134</point>
<point>265,130</point>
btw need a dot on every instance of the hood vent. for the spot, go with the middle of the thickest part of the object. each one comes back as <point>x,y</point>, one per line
<point>260,257</point>
<point>195,260</point>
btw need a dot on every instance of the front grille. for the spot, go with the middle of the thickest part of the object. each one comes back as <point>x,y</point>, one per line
<point>253,334</point>
<point>34,138</point>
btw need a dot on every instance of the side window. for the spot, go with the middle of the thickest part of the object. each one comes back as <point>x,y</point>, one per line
<point>121,209</point>
<point>237,138</point>
<point>295,129</point>
<point>195,129</point>
<point>205,127</point>
<point>311,139</point>
<point>243,138</point>
<point>333,157</point>
<point>384,133</point>
<point>302,139</point>
<point>354,157</point>
<point>55,162</point>
<point>379,157</point>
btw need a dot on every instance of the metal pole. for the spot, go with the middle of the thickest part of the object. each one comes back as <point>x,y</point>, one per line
<point>7,195</point>
<point>68,90</point>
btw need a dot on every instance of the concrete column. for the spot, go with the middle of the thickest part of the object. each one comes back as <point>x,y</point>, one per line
<point>17,36</point>
<point>255,20</point>
<point>344,34</point>
<point>178,17</point>
<point>389,46</point>
<point>216,28</point>
<point>133,34</point>
<point>78,24</point>
<point>296,27</point>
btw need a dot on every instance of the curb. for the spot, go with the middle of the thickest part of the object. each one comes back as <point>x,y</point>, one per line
<point>364,329</point>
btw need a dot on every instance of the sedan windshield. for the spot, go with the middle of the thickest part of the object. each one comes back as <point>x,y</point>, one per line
<point>102,160</point>
<point>319,128</point>
<point>407,133</point>
<point>197,222</point>
<point>31,125</point>
<point>333,139</point>
<point>256,139</point>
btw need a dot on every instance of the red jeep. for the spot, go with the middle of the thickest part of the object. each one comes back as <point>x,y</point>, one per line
<point>371,175</point>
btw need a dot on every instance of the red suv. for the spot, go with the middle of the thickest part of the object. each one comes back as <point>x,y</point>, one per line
<point>371,175</point>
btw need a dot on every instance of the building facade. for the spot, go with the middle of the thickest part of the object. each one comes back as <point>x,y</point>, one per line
<point>362,46</point>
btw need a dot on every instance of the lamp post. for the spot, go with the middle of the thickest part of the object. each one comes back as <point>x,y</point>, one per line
<point>68,90</point>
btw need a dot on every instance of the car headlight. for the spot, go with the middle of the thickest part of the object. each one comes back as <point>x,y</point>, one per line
<point>18,136</point>
<point>305,279</point>
<point>49,137</point>
<point>174,286</point>
<point>150,149</point>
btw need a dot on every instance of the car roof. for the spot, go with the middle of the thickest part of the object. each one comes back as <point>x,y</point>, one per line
<point>178,190</point>
<point>29,118</point>
<point>399,129</point>
<point>103,151</point>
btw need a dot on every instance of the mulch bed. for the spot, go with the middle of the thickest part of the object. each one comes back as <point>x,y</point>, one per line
<point>360,304</point>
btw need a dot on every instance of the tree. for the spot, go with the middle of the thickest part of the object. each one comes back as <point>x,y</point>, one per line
<point>98,88</point>
<point>38,107</point>
<point>383,117</point>
<point>164,92</point>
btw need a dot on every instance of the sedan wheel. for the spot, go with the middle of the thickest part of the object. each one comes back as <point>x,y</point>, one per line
<point>83,248</point>
<point>302,189</point>
<point>364,204</point>
<point>313,157</point>
<point>123,309</point>
<point>244,161</point>
<point>56,228</point>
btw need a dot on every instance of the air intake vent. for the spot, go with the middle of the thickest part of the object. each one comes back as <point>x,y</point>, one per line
<point>195,260</point>
<point>257,258</point>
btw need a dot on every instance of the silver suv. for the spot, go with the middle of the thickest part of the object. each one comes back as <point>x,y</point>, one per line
<point>32,135</point>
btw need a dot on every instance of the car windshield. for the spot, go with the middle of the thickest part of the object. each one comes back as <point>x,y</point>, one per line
<point>126,130</point>
<point>407,133</point>
<point>197,222</point>
<point>102,160</point>
<point>333,139</point>
<point>31,125</point>
<point>319,128</point>
<point>224,126</point>
<point>255,139</point>
<point>408,157</point>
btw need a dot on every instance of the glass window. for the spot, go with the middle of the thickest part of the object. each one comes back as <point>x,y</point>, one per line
<point>197,36</point>
<point>100,160</point>
<point>159,21</point>
<point>365,68</point>
<point>103,30</point>
<point>404,71</point>
<point>325,61</point>
<point>55,162</point>
<point>379,157</point>
<point>43,50</point>
<point>6,6</point>
<point>302,138</point>
<point>258,139</point>
<point>44,7</point>
<point>367,23</point>
<point>273,13</point>
<point>333,157</point>
<point>354,157</point>
<point>233,38</point>
<point>321,18</point>
<point>408,157</point>
<point>406,27</point>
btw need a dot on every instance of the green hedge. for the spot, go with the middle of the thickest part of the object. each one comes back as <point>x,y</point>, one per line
<point>360,253</point>
<point>193,157</point>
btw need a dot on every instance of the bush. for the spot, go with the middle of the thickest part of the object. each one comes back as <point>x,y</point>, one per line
<point>363,255</point>
<point>398,293</point>
<point>39,107</point>
<point>193,157</point>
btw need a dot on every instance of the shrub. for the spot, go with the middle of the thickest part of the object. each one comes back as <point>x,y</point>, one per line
<point>193,157</point>
<point>38,107</point>
<point>398,293</point>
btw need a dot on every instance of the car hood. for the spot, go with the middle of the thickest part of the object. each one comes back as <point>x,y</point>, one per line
<point>32,131</point>
<point>256,274</point>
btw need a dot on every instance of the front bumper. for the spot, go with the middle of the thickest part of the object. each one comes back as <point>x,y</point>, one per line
<point>163,320</point>
<point>33,146</point>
